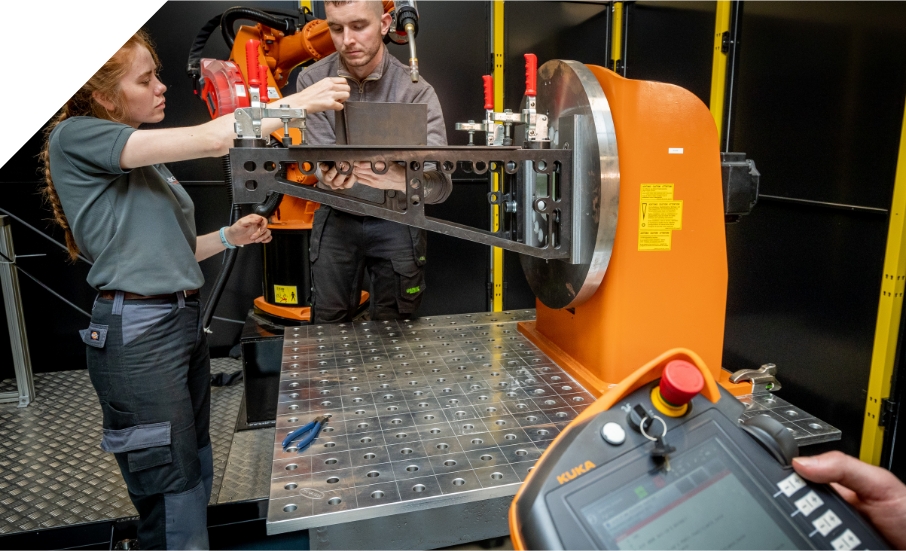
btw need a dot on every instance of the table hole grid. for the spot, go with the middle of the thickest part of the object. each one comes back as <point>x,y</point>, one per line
<point>433,400</point>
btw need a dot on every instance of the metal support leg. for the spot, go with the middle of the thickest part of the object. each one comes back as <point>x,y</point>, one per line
<point>15,318</point>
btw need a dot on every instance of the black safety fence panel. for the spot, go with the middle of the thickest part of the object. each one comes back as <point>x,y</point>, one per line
<point>819,108</point>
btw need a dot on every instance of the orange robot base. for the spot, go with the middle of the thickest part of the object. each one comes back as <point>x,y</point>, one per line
<point>660,292</point>
<point>297,313</point>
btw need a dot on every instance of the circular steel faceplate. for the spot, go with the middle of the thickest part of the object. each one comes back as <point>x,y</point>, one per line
<point>570,95</point>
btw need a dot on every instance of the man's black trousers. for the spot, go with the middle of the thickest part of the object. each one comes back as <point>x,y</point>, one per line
<point>346,247</point>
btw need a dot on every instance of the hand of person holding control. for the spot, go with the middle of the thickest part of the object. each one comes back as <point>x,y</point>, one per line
<point>875,492</point>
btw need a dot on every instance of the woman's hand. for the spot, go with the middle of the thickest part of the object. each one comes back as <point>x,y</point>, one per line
<point>326,94</point>
<point>247,230</point>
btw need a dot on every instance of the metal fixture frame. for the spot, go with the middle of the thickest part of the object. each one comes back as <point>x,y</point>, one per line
<point>259,171</point>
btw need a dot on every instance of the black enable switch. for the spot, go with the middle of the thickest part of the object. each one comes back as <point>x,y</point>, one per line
<point>774,437</point>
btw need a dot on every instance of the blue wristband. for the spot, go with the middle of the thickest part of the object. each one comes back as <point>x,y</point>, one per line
<point>223,239</point>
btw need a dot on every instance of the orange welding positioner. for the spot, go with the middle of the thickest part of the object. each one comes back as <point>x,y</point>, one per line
<point>666,282</point>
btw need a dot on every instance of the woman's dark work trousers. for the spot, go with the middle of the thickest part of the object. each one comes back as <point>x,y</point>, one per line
<point>346,246</point>
<point>149,363</point>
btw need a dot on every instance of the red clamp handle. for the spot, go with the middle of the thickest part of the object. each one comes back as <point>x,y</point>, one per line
<point>531,75</point>
<point>262,83</point>
<point>251,62</point>
<point>488,91</point>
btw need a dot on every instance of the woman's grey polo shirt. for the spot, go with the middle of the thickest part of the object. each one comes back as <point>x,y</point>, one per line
<point>137,226</point>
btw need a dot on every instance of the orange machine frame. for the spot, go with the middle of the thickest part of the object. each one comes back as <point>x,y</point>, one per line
<point>650,301</point>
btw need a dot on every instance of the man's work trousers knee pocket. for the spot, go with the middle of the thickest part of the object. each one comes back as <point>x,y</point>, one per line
<point>344,247</point>
<point>149,363</point>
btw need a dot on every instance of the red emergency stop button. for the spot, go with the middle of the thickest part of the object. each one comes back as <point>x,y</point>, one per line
<point>680,382</point>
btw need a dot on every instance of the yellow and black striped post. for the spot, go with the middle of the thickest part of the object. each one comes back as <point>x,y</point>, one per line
<point>497,55</point>
<point>616,36</point>
<point>719,65</point>
<point>890,308</point>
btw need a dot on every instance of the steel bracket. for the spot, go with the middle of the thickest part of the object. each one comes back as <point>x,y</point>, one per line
<point>763,379</point>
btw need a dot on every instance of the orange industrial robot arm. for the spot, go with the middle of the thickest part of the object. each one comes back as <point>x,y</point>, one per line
<point>283,51</point>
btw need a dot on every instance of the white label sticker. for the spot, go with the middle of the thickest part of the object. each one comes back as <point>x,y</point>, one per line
<point>272,93</point>
<point>675,150</point>
<point>846,541</point>
<point>826,523</point>
<point>809,503</point>
<point>240,90</point>
<point>790,485</point>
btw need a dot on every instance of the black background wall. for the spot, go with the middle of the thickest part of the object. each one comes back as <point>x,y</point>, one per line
<point>819,107</point>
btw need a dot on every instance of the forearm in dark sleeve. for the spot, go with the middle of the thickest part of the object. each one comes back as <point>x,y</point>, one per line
<point>319,128</point>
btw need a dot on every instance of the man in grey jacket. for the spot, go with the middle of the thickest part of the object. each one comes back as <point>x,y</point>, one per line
<point>345,246</point>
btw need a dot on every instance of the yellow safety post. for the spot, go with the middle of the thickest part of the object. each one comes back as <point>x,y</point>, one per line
<point>616,43</point>
<point>497,53</point>
<point>305,4</point>
<point>890,308</point>
<point>719,65</point>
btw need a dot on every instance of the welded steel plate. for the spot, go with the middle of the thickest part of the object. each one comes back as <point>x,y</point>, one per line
<point>424,414</point>
<point>581,120</point>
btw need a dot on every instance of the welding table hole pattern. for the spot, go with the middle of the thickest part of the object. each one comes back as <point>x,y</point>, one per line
<point>416,410</point>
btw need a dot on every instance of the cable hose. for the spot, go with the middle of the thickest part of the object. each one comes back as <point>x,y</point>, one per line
<point>194,63</point>
<point>229,259</point>
<point>267,207</point>
<point>287,25</point>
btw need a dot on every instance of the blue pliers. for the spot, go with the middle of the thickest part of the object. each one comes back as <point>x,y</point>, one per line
<point>312,428</point>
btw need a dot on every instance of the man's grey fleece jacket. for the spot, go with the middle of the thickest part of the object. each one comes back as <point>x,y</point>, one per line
<point>389,82</point>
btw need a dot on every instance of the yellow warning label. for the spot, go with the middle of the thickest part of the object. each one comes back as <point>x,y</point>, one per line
<point>286,294</point>
<point>659,216</point>
<point>655,240</point>
<point>657,192</point>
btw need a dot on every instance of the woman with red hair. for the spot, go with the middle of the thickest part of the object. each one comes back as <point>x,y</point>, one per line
<point>121,208</point>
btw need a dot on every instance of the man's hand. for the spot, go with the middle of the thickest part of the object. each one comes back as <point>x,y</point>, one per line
<point>333,178</point>
<point>248,229</point>
<point>326,94</point>
<point>394,178</point>
<point>873,491</point>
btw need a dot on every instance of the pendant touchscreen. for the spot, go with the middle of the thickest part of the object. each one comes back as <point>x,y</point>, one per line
<point>701,503</point>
